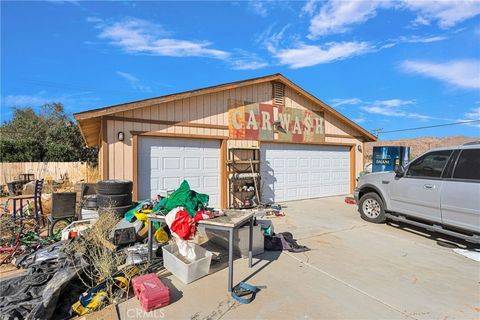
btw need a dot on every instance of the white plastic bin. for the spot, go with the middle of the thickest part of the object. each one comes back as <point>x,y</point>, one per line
<point>186,271</point>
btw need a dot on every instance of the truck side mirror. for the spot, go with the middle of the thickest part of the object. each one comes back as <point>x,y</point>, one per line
<point>399,171</point>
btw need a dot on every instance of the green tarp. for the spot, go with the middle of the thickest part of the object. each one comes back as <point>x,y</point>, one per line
<point>189,199</point>
<point>182,197</point>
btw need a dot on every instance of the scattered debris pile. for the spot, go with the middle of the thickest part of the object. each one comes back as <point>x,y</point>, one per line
<point>93,263</point>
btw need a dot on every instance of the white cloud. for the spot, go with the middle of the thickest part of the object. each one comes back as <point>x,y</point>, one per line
<point>349,101</point>
<point>417,39</point>
<point>395,112</point>
<point>447,13</point>
<point>142,37</point>
<point>309,55</point>
<point>74,2</point>
<point>473,114</point>
<point>360,120</point>
<point>309,8</point>
<point>25,100</point>
<point>392,103</point>
<point>248,63</point>
<point>412,39</point>
<point>42,97</point>
<point>394,108</point>
<point>134,82</point>
<point>271,40</point>
<point>244,60</point>
<point>335,16</point>
<point>258,7</point>
<point>389,108</point>
<point>460,73</point>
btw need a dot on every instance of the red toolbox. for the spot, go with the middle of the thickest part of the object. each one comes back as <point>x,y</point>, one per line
<point>151,292</point>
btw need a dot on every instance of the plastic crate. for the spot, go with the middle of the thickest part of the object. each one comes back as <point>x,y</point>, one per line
<point>186,271</point>
<point>151,292</point>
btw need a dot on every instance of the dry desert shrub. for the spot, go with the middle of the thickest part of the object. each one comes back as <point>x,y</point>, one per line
<point>101,258</point>
<point>8,230</point>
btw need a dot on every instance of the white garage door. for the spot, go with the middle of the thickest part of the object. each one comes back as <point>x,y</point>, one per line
<point>163,163</point>
<point>295,172</point>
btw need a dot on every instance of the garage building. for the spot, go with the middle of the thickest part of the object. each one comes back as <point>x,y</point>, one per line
<point>307,149</point>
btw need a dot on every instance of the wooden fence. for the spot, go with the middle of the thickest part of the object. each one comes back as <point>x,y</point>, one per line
<point>75,171</point>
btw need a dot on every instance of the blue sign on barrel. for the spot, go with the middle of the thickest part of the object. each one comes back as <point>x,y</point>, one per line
<point>387,158</point>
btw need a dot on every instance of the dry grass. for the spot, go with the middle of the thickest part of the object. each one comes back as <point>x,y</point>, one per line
<point>8,230</point>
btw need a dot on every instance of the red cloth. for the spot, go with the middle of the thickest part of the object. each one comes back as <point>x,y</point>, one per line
<point>182,224</point>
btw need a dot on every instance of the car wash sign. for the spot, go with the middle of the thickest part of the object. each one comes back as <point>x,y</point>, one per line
<point>264,122</point>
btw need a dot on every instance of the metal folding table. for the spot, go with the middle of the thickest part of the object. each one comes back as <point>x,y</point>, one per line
<point>232,220</point>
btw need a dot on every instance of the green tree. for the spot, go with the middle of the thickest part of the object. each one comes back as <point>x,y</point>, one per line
<point>47,135</point>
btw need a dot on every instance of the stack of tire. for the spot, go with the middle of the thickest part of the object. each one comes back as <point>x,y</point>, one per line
<point>114,195</point>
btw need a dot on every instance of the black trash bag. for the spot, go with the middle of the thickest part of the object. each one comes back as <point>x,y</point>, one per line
<point>35,295</point>
<point>283,241</point>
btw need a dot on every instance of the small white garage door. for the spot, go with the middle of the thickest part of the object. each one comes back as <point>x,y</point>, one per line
<point>295,172</point>
<point>163,163</point>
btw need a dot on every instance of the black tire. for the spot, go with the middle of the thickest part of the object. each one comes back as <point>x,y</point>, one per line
<point>114,200</point>
<point>119,211</point>
<point>371,208</point>
<point>58,226</point>
<point>90,202</point>
<point>110,187</point>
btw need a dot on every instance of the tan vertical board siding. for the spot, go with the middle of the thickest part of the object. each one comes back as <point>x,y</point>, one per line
<point>207,109</point>
<point>185,115</point>
<point>136,127</point>
<point>220,109</point>
<point>146,114</point>
<point>335,126</point>
<point>206,113</point>
<point>119,150</point>
<point>201,114</point>
<point>111,148</point>
<point>177,111</point>
<point>101,150</point>
<point>226,96</point>
<point>192,114</point>
<point>168,114</point>
<point>127,148</point>
<point>155,115</point>
<point>210,111</point>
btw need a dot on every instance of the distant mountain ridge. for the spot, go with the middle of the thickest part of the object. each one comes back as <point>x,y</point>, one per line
<point>418,145</point>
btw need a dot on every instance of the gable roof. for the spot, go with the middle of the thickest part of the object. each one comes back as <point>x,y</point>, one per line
<point>89,121</point>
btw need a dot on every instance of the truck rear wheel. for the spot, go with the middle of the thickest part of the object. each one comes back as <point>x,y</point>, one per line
<point>371,208</point>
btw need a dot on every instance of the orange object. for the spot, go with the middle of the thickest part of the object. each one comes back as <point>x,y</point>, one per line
<point>350,200</point>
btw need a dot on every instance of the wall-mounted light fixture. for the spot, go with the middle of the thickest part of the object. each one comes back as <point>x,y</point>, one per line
<point>359,148</point>
<point>120,136</point>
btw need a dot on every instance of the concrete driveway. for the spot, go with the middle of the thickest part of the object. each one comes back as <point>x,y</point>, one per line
<point>355,270</point>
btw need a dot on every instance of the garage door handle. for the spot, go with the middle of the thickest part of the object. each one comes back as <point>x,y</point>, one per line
<point>429,186</point>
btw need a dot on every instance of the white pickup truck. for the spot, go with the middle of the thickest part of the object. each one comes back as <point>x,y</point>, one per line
<point>440,191</point>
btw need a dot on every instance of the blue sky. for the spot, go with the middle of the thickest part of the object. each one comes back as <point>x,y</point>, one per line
<point>384,64</point>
